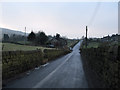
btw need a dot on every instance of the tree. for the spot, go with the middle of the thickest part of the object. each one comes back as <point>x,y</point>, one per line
<point>41,38</point>
<point>31,36</point>
<point>14,37</point>
<point>6,37</point>
<point>57,36</point>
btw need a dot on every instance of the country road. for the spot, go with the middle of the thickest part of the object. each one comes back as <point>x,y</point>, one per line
<point>64,72</point>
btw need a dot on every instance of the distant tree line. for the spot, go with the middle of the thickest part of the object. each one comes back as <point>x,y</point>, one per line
<point>112,38</point>
<point>13,38</point>
<point>39,38</point>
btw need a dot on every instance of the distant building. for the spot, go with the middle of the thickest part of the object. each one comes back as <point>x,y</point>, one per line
<point>60,43</point>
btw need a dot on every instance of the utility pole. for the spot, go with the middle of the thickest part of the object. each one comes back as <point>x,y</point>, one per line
<point>86,36</point>
<point>25,37</point>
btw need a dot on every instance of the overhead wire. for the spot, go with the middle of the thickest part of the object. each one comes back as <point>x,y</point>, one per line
<point>94,14</point>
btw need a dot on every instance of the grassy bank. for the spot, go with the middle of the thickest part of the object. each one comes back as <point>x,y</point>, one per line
<point>103,61</point>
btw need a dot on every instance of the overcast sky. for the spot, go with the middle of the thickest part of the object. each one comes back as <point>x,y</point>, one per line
<point>66,18</point>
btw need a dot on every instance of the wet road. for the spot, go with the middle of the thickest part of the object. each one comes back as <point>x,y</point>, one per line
<point>65,72</point>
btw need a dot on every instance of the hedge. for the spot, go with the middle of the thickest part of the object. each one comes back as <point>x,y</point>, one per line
<point>16,62</point>
<point>104,61</point>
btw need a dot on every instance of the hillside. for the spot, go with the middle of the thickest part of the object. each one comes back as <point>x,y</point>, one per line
<point>9,31</point>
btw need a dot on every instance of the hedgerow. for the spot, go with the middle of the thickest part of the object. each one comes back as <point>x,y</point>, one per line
<point>16,62</point>
<point>104,62</point>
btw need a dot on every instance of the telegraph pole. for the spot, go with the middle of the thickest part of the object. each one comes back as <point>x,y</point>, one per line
<point>86,36</point>
<point>25,36</point>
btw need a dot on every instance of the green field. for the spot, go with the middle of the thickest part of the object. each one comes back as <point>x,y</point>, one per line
<point>92,44</point>
<point>71,42</point>
<point>15,47</point>
<point>24,42</point>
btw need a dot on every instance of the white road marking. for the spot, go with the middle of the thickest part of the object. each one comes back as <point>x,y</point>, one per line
<point>37,68</point>
<point>45,64</point>
<point>28,72</point>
